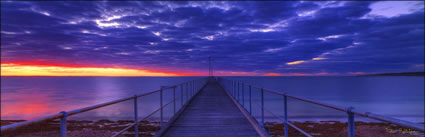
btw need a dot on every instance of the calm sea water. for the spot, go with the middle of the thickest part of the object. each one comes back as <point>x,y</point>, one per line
<point>31,97</point>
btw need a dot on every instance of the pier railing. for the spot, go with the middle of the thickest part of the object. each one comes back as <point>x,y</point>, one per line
<point>181,94</point>
<point>243,93</point>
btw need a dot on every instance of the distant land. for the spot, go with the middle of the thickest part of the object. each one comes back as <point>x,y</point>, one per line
<point>398,74</point>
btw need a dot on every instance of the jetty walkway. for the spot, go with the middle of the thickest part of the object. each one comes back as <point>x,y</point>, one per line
<point>212,112</point>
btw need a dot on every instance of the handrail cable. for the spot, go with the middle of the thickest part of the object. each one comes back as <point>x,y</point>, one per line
<point>146,117</point>
<point>81,110</point>
<point>349,110</point>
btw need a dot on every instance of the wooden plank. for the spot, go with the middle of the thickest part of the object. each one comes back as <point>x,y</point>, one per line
<point>211,113</point>
<point>252,121</point>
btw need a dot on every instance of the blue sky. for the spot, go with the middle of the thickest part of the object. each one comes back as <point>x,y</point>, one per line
<point>244,38</point>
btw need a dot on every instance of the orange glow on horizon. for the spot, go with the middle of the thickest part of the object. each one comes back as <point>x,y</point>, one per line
<point>46,69</point>
<point>272,74</point>
<point>52,69</point>
<point>233,73</point>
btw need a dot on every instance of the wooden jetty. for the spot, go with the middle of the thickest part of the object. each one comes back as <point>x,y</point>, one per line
<point>213,113</point>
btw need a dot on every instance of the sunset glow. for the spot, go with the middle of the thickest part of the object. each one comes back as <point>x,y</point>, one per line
<point>101,64</point>
<point>272,74</point>
<point>318,58</point>
<point>295,62</point>
<point>51,69</point>
<point>27,69</point>
<point>172,39</point>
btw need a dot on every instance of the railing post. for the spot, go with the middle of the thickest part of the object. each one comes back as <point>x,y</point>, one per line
<point>63,124</point>
<point>238,93</point>
<point>262,107</point>
<point>136,121</point>
<point>160,100</point>
<point>236,90</point>
<point>191,87</point>
<point>285,105</point>
<point>187,91</point>
<point>181,94</point>
<point>174,99</point>
<point>233,88</point>
<point>243,94</point>
<point>250,100</point>
<point>350,122</point>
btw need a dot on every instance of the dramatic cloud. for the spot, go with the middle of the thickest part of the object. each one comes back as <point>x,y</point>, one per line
<point>244,38</point>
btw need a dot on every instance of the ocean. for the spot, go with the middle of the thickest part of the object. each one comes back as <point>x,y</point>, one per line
<point>31,97</point>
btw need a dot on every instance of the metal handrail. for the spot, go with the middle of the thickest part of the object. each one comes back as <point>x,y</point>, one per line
<point>348,110</point>
<point>59,115</point>
<point>146,117</point>
<point>195,85</point>
<point>289,123</point>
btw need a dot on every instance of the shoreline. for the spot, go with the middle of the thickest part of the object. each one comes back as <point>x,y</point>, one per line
<point>78,128</point>
<point>339,129</point>
<point>100,128</point>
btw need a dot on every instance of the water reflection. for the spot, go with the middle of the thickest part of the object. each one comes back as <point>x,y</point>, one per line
<point>29,97</point>
<point>30,103</point>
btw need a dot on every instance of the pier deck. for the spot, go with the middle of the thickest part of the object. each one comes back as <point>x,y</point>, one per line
<point>211,113</point>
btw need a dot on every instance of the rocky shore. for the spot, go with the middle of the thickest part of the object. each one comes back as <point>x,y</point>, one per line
<point>339,129</point>
<point>83,128</point>
<point>106,128</point>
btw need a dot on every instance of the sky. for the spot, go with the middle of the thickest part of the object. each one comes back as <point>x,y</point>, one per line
<point>252,38</point>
